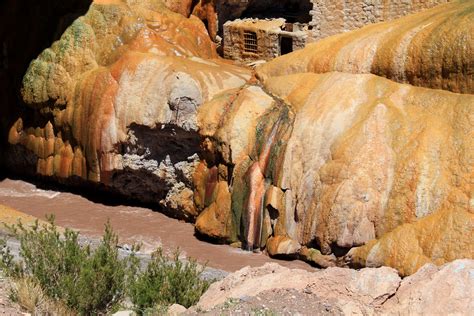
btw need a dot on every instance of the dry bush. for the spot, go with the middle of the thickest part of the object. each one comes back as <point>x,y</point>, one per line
<point>31,298</point>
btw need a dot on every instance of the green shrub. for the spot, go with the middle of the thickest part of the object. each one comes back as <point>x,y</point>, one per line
<point>7,263</point>
<point>87,281</point>
<point>165,282</point>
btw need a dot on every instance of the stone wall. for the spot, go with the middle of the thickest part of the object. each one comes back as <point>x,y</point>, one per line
<point>268,47</point>
<point>332,17</point>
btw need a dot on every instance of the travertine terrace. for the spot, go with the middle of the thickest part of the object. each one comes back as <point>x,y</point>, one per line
<point>356,150</point>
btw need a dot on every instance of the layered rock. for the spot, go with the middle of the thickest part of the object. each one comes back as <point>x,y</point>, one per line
<point>433,48</point>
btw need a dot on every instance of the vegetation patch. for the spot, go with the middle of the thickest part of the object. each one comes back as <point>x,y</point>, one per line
<point>87,280</point>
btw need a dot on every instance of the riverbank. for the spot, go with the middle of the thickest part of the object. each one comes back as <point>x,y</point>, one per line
<point>133,224</point>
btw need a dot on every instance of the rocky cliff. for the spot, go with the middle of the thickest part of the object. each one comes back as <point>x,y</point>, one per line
<point>305,162</point>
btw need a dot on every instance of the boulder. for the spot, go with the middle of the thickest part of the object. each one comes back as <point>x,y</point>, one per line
<point>175,310</point>
<point>445,290</point>
<point>282,245</point>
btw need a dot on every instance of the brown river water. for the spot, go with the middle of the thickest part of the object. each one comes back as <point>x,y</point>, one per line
<point>132,224</point>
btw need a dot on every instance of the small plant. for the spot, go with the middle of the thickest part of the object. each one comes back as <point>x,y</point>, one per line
<point>7,264</point>
<point>231,302</point>
<point>30,296</point>
<point>166,282</point>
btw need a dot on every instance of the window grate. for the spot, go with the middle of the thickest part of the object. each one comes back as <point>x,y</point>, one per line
<point>250,42</point>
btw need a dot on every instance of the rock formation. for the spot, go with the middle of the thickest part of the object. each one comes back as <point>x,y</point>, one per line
<point>122,87</point>
<point>306,162</point>
<point>40,23</point>
<point>431,291</point>
<point>366,155</point>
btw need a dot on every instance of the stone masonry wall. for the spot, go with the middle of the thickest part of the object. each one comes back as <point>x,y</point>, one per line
<point>332,17</point>
<point>268,44</point>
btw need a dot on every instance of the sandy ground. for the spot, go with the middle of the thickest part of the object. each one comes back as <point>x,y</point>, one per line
<point>10,216</point>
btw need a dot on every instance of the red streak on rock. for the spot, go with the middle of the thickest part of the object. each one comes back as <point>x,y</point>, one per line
<point>256,181</point>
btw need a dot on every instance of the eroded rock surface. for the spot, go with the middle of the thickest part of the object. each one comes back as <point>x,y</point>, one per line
<point>366,155</point>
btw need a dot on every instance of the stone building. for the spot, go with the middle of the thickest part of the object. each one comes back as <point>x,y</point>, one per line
<point>255,39</point>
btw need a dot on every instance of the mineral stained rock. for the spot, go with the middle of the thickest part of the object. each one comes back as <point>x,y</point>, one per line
<point>433,48</point>
<point>366,155</point>
<point>49,20</point>
<point>431,291</point>
<point>307,162</point>
<point>429,240</point>
<point>121,90</point>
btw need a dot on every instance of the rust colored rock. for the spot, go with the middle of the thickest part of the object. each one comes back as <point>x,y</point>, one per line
<point>182,7</point>
<point>216,220</point>
<point>206,11</point>
<point>428,240</point>
<point>433,48</point>
<point>282,245</point>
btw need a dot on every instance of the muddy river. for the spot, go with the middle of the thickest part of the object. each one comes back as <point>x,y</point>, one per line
<point>133,224</point>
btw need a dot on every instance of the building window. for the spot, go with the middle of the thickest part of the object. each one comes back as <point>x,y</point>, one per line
<point>250,42</point>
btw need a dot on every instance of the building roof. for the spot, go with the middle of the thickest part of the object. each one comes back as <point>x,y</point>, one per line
<point>258,24</point>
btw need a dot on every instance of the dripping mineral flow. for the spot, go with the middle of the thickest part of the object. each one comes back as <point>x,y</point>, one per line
<point>256,180</point>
